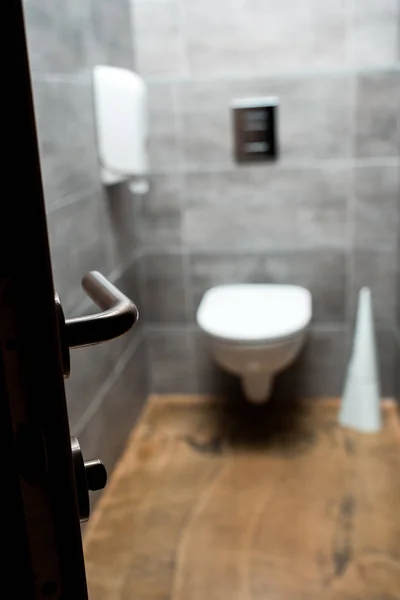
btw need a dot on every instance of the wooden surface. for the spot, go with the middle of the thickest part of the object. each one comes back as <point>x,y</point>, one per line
<point>228,501</point>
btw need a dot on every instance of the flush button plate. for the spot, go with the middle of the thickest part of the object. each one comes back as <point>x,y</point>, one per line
<point>255,123</point>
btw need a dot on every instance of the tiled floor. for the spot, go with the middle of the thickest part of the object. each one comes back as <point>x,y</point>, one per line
<point>215,501</point>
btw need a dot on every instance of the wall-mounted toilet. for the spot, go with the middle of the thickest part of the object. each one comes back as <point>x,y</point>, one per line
<point>255,330</point>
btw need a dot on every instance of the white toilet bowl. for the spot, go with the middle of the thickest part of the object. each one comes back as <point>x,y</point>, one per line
<point>255,330</point>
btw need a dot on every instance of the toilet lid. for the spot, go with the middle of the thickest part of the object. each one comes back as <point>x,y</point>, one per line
<point>254,312</point>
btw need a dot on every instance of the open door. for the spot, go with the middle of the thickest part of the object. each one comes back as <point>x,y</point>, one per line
<point>45,481</point>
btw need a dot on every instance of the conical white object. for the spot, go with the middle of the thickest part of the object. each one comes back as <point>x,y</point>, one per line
<point>360,408</point>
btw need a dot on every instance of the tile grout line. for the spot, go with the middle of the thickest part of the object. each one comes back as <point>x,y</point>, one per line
<point>192,326</point>
<point>351,202</point>
<point>282,164</point>
<point>106,386</point>
<point>278,74</point>
<point>184,38</point>
<point>113,276</point>
<point>244,250</point>
<point>72,198</point>
<point>147,360</point>
<point>184,256</point>
<point>83,77</point>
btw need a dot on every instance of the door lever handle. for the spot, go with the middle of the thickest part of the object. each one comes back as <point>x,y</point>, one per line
<point>118,314</point>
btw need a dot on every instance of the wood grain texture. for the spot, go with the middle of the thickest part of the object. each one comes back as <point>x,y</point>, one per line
<point>216,500</point>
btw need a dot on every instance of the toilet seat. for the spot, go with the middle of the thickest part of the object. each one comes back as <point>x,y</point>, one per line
<point>255,313</point>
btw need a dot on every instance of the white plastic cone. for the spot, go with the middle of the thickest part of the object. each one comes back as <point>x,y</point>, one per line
<point>360,408</point>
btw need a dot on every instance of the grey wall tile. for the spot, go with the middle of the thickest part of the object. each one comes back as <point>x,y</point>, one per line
<point>328,43</point>
<point>65,122</point>
<point>314,116</point>
<point>205,122</point>
<point>77,246</point>
<point>160,217</point>
<point>162,288</point>
<point>120,215</point>
<point>322,272</point>
<point>58,35</point>
<point>171,361</point>
<point>111,36</point>
<point>397,320</point>
<point>377,116</point>
<point>321,368</point>
<point>153,22</point>
<point>374,32</point>
<point>105,434</point>
<point>70,37</point>
<point>163,143</point>
<point>128,281</point>
<point>266,208</point>
<point>228,38</point>
<point>386,361</point>
<point>377,270</point>
<point>376,214</point>
<point>210,17</point>
<point>90,367</point>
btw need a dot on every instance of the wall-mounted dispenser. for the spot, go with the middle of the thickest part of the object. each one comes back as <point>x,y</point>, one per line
<point>120,103</point>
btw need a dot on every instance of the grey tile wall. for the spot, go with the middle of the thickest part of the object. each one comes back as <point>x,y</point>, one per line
<point>162,288</point>
<point>325,216</point>
<point>377,114</point>
<point>321,368</point>
<point>376,214</point>
<point>227,37</point>
<point>164,143</point>
<point>108,419</point>
<point>110,33</point>
<point>76,235</point>
<point>377,270</point>
<point>160,214</point>
<point>314,116</point>
<point>386,345</point>
<point>64,116</point>
<point>397,325</point>
<point>58,37</point>
<point>119,216</point>
<point>88,227</point>
<point>266,208</point>
<point>171,360</point>
<point>374,37</point>
<point>153,22</point>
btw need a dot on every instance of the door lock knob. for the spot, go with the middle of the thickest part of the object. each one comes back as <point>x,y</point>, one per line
<point>90,476</point>
<point>96,475</point>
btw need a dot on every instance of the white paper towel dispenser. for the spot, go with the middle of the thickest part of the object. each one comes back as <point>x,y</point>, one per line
<point>121,114</point>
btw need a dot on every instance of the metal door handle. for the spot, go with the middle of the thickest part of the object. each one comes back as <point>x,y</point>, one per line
<point>118,316</point>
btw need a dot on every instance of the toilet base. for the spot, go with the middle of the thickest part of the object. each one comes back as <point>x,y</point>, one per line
<point>257,387</point>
